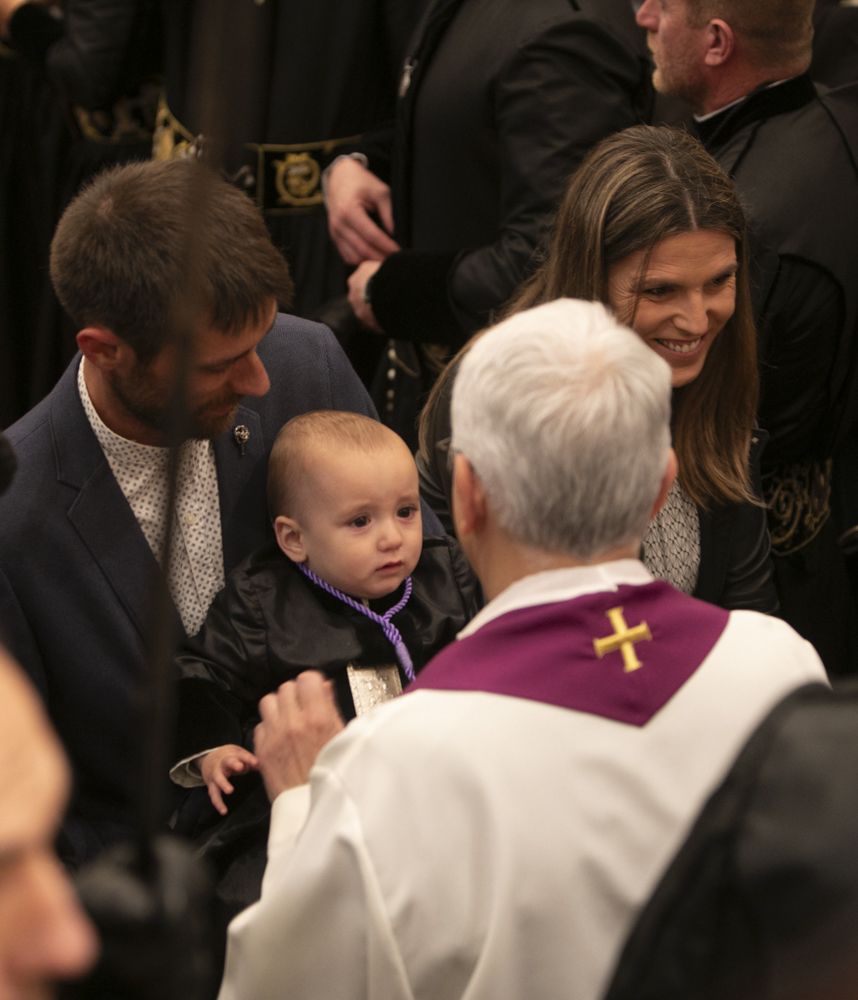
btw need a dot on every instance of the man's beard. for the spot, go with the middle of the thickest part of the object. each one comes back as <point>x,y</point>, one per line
<point>148,401</point>
<point>679,79</point>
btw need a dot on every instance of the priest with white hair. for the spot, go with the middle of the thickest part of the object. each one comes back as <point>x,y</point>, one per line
<point>493,833</point>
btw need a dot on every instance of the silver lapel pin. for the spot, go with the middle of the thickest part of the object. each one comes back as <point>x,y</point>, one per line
<point>242,436</point>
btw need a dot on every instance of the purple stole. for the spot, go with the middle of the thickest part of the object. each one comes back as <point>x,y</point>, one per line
<point>619,654</point>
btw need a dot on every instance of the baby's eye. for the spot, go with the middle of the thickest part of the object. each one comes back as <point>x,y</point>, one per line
<point>361,521</point>
<point>406,513</point>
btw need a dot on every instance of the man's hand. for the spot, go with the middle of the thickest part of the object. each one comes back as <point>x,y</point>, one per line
<point>357,283</point>
<point>353,195</point>
<point>297,721</point>
<point>216,767</point>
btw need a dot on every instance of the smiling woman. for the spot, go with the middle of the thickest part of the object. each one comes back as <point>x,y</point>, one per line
<point>678,296</point>
<point>651,226</point>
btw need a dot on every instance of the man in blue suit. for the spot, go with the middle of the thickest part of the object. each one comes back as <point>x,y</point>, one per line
<point>148,250</point>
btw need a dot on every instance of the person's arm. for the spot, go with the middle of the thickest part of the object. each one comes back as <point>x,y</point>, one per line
<point>566,89</point>
<point>218,766</point>
<point>320,883</point>
<point>749,582</point>
<point>803,364</point>
<point>360,214</point>
<point>221,674</point>
<point>320,928</point>
<point>298,720</point>
<point>736,561</point>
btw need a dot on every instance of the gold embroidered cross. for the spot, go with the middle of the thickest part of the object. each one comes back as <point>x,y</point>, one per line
<point>623,640</point>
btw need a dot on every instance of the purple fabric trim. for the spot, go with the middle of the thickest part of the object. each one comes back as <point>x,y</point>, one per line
<point>392,633</point>
<point>545,653</point>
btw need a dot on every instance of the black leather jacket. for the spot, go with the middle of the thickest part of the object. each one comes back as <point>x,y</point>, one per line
<point>270,622</point>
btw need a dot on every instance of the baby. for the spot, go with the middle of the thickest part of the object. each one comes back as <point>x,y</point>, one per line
<point>348,586</point>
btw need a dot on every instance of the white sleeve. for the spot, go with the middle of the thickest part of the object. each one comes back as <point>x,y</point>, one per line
<point>321,928</point>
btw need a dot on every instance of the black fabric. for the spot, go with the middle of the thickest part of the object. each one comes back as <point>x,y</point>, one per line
<point>32,29</point>
<point>791,150</point>
<point>788,146</point>
<point>98,52</point>
<point>499,103</point>
<point>34,137</point>
<point>267,625</point>
<point>270,623</point>
<point>95,52</point>
<point>408,284</point>
<point>309,72</point>
<point>835,43</point>
<point>736,568</point>
<point>762,900</point>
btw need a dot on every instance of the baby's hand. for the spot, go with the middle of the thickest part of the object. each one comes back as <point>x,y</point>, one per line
<point>216,767</point>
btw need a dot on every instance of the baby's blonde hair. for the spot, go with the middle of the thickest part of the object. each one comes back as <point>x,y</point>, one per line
<point>298,439</point>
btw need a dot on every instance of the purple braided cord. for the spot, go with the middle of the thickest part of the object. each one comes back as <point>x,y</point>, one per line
<point>393,634</point>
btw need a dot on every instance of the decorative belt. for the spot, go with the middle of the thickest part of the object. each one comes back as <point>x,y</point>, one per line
<point>798,498</point>
<point>130,119</point>
<point>284,177</point>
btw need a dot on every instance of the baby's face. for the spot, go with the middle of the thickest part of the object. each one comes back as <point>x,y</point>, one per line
<point>360,521</point>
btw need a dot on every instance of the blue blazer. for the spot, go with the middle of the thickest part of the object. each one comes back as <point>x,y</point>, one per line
<point>76,573</point>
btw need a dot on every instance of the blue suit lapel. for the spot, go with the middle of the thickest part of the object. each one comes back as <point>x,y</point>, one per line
<point>99,512</point>
<point>241,474</point>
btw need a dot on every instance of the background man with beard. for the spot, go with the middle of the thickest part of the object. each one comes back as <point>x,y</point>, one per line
<point>792,150</point>
<point>82,529</point>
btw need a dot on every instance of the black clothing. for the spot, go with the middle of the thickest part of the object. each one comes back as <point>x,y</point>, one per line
<point>735,552</point>
<point>835,43</point>
<point>266,626</point>
<point>270,622</point>
<point>762,899</point>
<point>301,76</point>
<point>77,94</point>
<point>788,149</point>
<point>96,52</point>
<point>499,102</point>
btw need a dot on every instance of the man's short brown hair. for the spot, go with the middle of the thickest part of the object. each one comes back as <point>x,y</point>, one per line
<point>777,32</point>
<point>144,237</point>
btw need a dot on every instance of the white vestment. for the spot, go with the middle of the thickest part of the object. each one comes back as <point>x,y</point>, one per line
<point>473,844</point>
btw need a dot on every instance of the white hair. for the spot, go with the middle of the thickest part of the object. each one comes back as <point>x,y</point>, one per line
<point>564,415</point>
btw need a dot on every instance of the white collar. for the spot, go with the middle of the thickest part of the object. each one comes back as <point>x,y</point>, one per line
<point>739,100</point>
<point>554,585</point>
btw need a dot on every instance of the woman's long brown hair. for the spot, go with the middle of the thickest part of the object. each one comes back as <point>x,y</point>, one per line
<point>632,191</point>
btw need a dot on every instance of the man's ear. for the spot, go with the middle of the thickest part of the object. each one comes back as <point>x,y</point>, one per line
<point>720,42</point>
<point>101,347</point>
<point>290,538</point>
<point>469,498</point>
<point>666,482</point>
